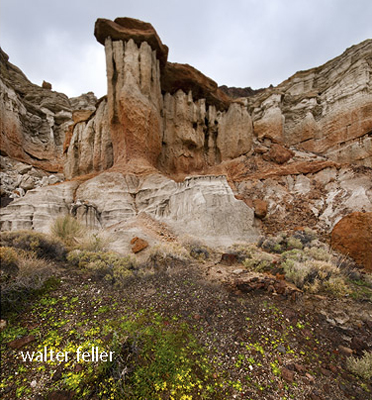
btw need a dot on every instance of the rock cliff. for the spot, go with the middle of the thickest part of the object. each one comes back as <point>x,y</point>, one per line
<point>326,110</point>
<point>168,146</point>
<point>34,118</point>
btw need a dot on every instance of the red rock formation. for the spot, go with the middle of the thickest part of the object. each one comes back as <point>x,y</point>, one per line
<point>125,29</point>
<point>187,78</point>
<point>352,236</point>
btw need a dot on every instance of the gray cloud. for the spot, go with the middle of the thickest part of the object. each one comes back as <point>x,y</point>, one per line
<point>238,43</point>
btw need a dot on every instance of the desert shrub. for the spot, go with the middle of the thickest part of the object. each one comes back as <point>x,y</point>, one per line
<point>67,229</point>
<point>196,248</point>
<point>32,273</point>
<point>361,366</point>
<point>298,272</point>
<point>318,253</point>
<point>43,246</point>
<point>168,255</point>
<point>306,236</point>
<point>94,241</point>
<point>337,286</point>
<point>8,263</point>
<point>313,275</point>
<point>259,260</point>
<point>103,265</point>
<point>284,242</point>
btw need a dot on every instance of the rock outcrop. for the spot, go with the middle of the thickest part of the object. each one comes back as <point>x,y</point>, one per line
<point>326,110</point>
<point>153,151</point>
<point>34,119</point>
<point>352,236</point>
<point>166,116</point>
<point>202,206</point>
<point>88,145</point>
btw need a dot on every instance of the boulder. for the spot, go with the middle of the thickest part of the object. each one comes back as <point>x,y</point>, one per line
<point>279,154</point>
<point>352,236</point>
<point>138,244</point>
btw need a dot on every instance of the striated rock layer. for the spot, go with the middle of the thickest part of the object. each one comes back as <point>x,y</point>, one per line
<point>326,110</point>
<point>202,206</point>
<point>34,119</point>
<point>299,153</point>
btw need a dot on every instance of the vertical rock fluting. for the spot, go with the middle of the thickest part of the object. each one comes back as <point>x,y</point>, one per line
<point>165,115</point>
<point>133,84</point>
<point>90,147</point>
<point>202,126</point>
<point>196,134</point>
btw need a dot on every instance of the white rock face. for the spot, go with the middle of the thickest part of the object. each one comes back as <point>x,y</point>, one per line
<point>203,206</point>
<point>326,110</point>
<point>318,199</point>
<point>38,208</point>
<point>90,147</point>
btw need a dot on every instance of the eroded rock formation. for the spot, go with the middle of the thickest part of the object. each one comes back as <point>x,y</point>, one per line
<point>202,206</point>
<point>34,119</point>
<point>352,236</point>
<point>168,147</point>
<point>326,110</point>
<point>167,116</point>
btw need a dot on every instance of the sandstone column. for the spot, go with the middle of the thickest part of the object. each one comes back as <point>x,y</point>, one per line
<point>134,56</point>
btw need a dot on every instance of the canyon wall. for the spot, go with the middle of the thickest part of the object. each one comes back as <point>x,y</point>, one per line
<point>168,146</point>
<point>326,110</point>
<point>34,118</point>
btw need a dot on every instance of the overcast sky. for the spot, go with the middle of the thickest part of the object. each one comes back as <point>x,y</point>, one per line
<point>235,42</point>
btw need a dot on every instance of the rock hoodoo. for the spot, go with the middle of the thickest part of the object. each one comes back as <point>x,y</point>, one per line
<point>166,116</point>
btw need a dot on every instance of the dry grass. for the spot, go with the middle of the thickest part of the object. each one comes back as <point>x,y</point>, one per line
<point>67,229</point>
<point>361,366</point>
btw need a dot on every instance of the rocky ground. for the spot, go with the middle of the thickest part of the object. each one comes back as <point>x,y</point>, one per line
<point>248,344</point>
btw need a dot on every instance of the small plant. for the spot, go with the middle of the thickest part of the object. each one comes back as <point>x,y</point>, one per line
<point>31,275</point>
<point>196,248</point>
<point>259,260</point>
<point>361,367</point>
<point>109,266</point>
<point>8,262</point>
<point>67,229</point>
<point>43,246</point>
<point>94,241</point>
<point>168,255</point>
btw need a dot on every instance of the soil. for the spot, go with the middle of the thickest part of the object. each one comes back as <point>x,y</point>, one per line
<point>275,347</point>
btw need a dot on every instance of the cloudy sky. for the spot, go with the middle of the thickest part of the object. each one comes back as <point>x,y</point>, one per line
<point>235,42</point>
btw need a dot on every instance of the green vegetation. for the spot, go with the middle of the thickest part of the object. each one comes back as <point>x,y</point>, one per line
<point>174,335</point>
<point>103,265</point>
<point>307,263</point>
<point>67,229</point>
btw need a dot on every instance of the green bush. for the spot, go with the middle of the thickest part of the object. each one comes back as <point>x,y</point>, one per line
<point>259,260</point>
<point>284,242</point>
<point>94,241</point>
<point>43,246</point>
<point>103,265</point>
